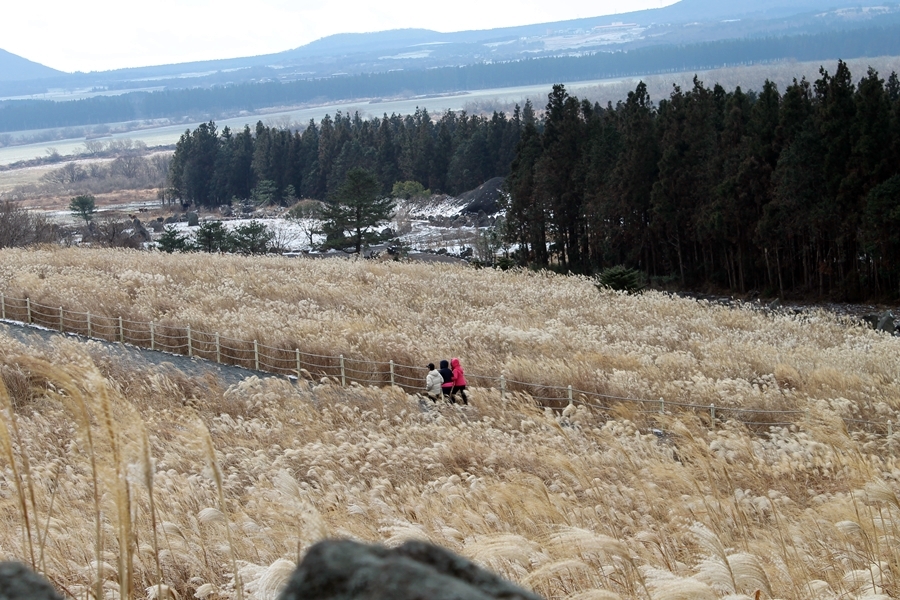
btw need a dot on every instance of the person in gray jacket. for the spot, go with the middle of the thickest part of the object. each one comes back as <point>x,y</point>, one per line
<point>433,382</point>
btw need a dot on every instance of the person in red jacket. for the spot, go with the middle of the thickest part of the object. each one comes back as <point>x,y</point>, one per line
<point>459,381</point>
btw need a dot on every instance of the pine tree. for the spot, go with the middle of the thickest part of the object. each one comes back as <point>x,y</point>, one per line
<point>631,182</point>
<point>358,208</point>
<point>526,217</point>
<point>559,175</point>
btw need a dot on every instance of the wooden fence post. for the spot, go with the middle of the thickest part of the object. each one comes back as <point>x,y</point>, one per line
<point>662,406</point>
<point>570,393</point>
<point>60,319</point>
<point>28,308</point>
<point>298,363</point>
<point>392,373</point>
<point>256,354</point>
<point>152,336</point>
<point>89,325</point>
<point>712,415</point>
<point>343,376</point>
<point>218,349</point>
<point>190,345</point>
<point>2,306</point>
<point>121,331</point>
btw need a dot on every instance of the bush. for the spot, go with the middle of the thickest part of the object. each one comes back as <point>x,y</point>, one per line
<point>505,263</point>
<point>251,238</point>
<point>173,241</point>
<point>20,227</point>
<point>305,209</point>
<point>404,190</point>
<point>621,279</point>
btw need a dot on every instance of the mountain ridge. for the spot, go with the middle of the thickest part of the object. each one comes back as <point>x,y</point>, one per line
<point>680,12</point>
<point>16,68</point>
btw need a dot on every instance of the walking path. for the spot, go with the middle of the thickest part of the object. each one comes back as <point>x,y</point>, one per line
<point>133,357</point>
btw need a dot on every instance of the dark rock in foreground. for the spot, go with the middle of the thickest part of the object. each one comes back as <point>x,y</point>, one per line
<point>18,582</point>
<point>345,570</point>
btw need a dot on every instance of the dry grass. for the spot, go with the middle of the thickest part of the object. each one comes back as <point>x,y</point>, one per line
<point>580,504</point>
<point>542,329</point>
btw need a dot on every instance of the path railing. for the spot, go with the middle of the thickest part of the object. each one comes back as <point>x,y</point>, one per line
<point>291,361</point>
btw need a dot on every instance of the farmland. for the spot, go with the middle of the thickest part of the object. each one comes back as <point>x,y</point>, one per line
<point>601,500</point>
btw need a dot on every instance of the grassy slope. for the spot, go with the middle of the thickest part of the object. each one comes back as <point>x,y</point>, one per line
<point>573,505</point>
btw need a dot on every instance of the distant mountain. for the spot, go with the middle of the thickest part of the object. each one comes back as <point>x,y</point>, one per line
<point>687,35</point>
<point>685,11</point>
<point>16,68</point>
<point>707,10</point>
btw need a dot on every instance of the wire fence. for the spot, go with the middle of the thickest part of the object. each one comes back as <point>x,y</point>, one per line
<point>292,361</point>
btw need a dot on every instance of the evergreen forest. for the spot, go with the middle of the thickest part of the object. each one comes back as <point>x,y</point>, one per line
<point>787,192</point>
<point>452,154</point>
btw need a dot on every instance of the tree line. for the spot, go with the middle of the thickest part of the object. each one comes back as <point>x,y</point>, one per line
<point>452,154</point>
<point>200,102</point>
<point>780,192</point>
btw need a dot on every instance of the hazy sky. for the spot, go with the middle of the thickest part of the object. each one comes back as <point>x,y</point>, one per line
<point>96,35</point>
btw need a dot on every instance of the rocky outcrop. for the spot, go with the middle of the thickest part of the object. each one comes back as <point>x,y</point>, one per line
<point>485,198</point>
<point>886,322</point>
<point>18,582</point>
<point>347,570</point>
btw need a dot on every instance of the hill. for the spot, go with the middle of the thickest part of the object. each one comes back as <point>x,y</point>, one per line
<point>16,68</point>
<point>761,14</point>
<point>228,486</point>
<point>685,22</point>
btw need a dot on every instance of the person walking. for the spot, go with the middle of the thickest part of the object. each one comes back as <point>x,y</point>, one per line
<point>433,382</point>
<point>458,380</point>
<point>447,377</point>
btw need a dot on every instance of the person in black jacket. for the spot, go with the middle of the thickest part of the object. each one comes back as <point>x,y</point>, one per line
<point>447,374</point>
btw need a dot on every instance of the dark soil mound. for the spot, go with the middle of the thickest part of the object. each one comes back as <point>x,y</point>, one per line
<point>485,198</point>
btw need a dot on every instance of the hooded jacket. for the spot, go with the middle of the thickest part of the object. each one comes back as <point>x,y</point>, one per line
<point>447,374</point>
<point>459,377</point>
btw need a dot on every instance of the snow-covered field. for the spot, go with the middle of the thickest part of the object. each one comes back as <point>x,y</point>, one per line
<point>414,224</point>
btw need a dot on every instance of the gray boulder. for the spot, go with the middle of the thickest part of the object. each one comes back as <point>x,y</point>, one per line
<point>347,570</point>
<point>18,582</point>
<point>886,322</point>
<point>140,233</point>
<point>871,320</point>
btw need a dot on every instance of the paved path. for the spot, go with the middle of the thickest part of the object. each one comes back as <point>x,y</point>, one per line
<point>134,357</point>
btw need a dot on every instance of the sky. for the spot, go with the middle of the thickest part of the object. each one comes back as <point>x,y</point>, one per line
<point>98,35</point>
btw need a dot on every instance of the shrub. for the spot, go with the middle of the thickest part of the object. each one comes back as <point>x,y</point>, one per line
<point>622,279</point>
<point>172,240</point>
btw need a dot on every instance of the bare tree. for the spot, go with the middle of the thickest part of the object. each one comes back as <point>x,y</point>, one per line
<point>160,164</point>
<point>66,175</point>
<point>112,233</point>
<point>93,147</point>
<point>20,227</point>
<point>130,166</point>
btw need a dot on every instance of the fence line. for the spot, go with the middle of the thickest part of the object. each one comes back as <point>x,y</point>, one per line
<point>291,361</point>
